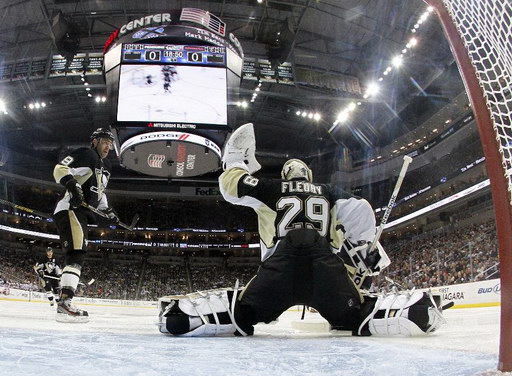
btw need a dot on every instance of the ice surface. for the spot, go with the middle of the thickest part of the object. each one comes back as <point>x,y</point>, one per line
<point>125,341</point>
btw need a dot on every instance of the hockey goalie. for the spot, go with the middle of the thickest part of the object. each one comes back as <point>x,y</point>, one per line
<point>302,226</point>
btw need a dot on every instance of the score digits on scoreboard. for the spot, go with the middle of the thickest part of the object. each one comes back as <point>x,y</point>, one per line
<point>168,53</point>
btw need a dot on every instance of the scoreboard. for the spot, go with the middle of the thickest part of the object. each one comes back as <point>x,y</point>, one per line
<point>173,54</point>
<point>173,79</point>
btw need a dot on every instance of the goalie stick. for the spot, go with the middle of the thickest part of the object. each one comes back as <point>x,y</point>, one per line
<point>363,270</point>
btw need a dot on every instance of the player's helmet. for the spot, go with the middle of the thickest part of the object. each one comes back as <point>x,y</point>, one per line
<point>102,133</point>
<point>296,169</point>
<point>49,250</point>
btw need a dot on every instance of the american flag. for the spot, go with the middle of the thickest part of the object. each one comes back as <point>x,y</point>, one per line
<point>204,18</point>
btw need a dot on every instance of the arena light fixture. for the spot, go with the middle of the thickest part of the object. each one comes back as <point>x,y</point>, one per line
<point>342,117</point>
<point>397,61</point>
<point>372,89</point>
<point>3,107</point>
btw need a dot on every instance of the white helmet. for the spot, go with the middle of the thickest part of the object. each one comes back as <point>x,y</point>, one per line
<point>295,168</point>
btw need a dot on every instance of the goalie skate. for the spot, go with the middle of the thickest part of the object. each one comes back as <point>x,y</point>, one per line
<point>68,312</point>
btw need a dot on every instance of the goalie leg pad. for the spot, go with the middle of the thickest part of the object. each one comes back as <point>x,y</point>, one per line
<point>201,314</point>
<point>406,314</point>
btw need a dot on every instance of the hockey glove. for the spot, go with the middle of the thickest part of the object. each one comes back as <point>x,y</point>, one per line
<point>41,273</point>
<point>372,260</point>
<point>75,192</point>
<point>360,258</point>
<point>112,215</point>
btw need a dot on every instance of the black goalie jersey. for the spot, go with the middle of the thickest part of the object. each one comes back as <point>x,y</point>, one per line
<point>284,205</point>
<point>90,171</point>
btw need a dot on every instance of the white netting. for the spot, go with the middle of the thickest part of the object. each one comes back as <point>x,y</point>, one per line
<point>486,29</point>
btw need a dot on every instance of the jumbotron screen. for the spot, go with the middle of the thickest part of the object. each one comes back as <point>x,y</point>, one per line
<point>172,94</point>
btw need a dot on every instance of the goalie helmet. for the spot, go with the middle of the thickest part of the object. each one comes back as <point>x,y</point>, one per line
<point>296,169</point>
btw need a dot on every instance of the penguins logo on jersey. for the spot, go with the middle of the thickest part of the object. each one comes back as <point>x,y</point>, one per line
<point>102,177</point>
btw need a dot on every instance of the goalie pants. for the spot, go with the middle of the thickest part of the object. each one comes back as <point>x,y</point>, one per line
<point>302,271</point>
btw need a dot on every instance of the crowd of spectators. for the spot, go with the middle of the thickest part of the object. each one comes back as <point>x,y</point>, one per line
<point>112,280</point>
<point>163,279</point>
<point>127,278</point>
<point>439,259</point>
<point>426,260</point>
<point>448,173</point>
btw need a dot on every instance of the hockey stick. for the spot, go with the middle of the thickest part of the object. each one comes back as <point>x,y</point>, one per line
<point>23,208</point>
<point>91,208</point>
<point>130,227</point>
<point>80,283</point>
<point>360,275</point>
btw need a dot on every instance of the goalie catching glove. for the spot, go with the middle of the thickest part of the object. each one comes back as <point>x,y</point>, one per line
<point>240,150</point>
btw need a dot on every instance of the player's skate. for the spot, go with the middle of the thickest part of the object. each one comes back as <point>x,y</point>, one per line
<point>68,312</point>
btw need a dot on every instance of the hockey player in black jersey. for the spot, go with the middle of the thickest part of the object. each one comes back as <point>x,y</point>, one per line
<point>299,222</point>
<point>85,173</point>
<point>49,273</point>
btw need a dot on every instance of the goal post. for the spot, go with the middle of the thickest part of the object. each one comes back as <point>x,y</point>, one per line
<point>480,36</point>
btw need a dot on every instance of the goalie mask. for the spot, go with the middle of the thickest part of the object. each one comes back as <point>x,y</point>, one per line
<point>296,169</point>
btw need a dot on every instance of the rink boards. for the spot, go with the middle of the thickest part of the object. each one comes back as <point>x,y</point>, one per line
<point>467,295</point>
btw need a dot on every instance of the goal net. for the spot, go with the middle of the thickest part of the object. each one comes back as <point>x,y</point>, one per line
<point>480,35</point>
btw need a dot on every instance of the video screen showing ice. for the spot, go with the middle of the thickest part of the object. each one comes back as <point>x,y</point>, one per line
<point>170,93</point>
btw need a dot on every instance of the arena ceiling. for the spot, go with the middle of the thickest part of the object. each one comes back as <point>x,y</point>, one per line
<point>328,42</point>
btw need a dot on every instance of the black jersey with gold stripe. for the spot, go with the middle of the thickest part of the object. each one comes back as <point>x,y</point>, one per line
<point>284,205</point>
<point>48,266</point>
<point>90,171</point>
